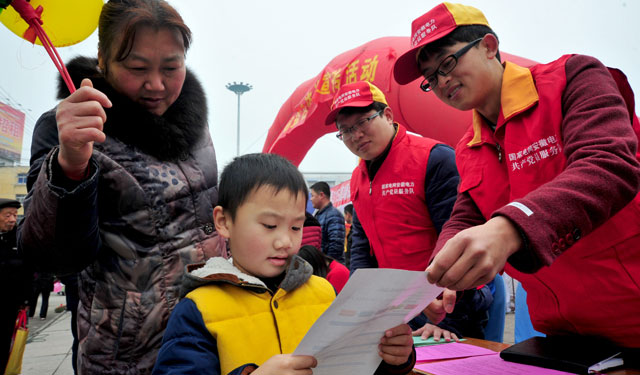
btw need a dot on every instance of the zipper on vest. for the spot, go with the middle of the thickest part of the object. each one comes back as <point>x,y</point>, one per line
<point>499,152</point>
<point>370,182</point>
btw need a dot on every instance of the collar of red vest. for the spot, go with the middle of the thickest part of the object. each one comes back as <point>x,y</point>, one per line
<point>518,93</point>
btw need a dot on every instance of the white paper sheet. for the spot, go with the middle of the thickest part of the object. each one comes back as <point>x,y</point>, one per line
<point>345,338</point>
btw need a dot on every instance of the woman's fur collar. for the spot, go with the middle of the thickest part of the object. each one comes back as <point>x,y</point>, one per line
<point>167,137</point>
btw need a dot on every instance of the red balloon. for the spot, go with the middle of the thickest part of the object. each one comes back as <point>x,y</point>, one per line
<point>300,121</point>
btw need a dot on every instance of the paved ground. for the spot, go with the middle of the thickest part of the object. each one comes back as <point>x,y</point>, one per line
<point>48,350</point>
<point>35,324</point>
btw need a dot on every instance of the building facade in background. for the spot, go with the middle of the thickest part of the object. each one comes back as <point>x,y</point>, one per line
<point>11,132</point>
<point>332,179</point>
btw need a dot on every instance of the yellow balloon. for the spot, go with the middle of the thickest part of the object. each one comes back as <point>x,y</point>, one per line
<point>66,22</point>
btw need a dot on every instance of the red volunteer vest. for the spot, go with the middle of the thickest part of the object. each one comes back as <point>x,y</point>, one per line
<point>392,208</point>
<point>594,287</point>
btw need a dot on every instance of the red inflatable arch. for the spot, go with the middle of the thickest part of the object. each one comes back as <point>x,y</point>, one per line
<point>300,121</point>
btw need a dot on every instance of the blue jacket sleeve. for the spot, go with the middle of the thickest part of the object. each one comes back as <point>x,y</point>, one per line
<point>386,369</point>
<point>360,248</point>
<point>336,236</point>
<point>441,184</point>
<point>188,347</point>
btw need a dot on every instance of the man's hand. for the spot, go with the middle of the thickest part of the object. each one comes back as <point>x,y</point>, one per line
<point>475,255</point>
<point>429,330</point>
<point>80,118</point>
<point>287,364</point>
<point>396,345</point>
<point>440,307</point>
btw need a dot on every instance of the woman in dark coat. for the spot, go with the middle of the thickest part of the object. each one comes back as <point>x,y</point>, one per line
<point>127,197</point>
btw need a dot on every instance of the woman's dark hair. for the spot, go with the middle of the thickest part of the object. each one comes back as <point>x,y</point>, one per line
<point>316,259</point>
<point>249,172</point>
<point>120,19</point>
<point>465,34</point>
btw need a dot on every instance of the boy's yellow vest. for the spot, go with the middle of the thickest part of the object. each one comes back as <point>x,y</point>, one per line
<point>251,327</point>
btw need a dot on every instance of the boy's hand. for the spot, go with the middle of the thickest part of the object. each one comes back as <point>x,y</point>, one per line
<point>432,330</point>
<point>441,306</point>
<point>287,364</point>
<point>396,345</point>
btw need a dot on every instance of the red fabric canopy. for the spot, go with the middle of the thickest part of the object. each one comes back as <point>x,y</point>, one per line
<point>300,121</point>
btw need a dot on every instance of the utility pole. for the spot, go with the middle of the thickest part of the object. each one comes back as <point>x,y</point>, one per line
<point>239,88</point>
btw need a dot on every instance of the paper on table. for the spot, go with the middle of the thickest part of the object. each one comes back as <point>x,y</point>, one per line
<point>419,341</point>
<point>483,365</point>
<point>453,350</point>
<point>345,338</point>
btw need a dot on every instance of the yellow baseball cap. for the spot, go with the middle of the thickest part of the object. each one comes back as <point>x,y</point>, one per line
<point>431,26</point>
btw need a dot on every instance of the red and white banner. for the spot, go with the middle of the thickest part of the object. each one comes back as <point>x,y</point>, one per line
<point>341,194</point>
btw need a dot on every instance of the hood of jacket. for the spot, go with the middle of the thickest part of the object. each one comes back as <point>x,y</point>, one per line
<point>167,137</point>
<point>221,270</point>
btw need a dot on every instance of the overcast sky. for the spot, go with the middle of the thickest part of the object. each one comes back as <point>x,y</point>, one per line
<point>277,45</point>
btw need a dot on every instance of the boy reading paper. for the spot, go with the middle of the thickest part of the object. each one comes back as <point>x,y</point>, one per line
<point>246,314</point>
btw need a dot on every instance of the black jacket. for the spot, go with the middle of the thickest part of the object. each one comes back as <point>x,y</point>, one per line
<point>15,275</point>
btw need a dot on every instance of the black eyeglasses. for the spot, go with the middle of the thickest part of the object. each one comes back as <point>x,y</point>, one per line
<point>446,66</point>
<point>348,132</point>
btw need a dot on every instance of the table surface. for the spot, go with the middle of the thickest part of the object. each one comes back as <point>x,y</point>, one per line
<point>498,346</point>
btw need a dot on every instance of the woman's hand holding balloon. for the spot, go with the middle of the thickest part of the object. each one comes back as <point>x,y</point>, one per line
<point>80,118</point>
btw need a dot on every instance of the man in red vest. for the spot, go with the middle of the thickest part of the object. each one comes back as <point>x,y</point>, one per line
<point>548,177</point>
<point>402,190</point>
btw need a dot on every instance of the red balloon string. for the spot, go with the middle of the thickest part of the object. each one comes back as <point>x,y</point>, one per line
<point>55,57</point>
<point>32,17</point>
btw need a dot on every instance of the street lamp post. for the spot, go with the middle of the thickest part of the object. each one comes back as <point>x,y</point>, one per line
<point>239,88</point>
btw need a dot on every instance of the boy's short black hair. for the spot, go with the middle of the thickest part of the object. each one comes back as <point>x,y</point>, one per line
<point>247,173</point>
<point>322,187</point>
<point>466,34</point>
<point>348,111</point>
